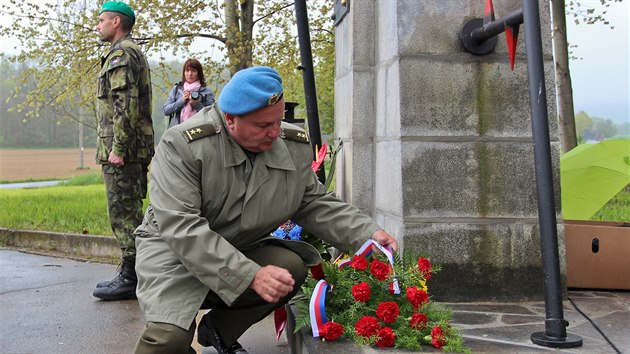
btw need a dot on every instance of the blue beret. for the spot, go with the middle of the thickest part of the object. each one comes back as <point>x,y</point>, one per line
<point>120,7</point>
<point>251,89</point>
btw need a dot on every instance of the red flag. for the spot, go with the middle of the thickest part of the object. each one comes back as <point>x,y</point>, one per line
<point>280,319</point>
<point>511,35</point>
<point>319,159</point>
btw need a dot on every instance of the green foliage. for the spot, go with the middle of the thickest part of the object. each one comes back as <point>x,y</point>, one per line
<point>282,52</point>
<point>595,128</point>
<point>63,52</point>
<point>616,209</point>
<point>584,12</point>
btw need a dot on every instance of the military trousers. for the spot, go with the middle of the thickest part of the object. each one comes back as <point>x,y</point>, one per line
<point>126,187</point>
<point>230,321</point>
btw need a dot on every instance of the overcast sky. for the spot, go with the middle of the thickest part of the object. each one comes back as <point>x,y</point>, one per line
<point>600,79</point>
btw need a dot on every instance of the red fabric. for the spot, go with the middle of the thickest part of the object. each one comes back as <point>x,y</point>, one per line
<point>317,272</point>
<point>319,159</point>
<point>280,319</point>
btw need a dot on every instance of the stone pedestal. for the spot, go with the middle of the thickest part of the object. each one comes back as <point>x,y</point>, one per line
<point>437,142</point>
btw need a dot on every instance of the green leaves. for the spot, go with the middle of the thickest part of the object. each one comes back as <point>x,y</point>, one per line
<point>60,42</point>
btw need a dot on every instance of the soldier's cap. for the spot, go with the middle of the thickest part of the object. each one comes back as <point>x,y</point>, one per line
<point>251,89</point>
<point>118,6</point>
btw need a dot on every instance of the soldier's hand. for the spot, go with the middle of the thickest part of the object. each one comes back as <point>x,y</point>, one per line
<point>272,283</point>
<point>384,239</point>
<point>115,160</point>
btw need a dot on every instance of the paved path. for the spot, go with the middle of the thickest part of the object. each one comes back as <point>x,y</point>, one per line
<point>46,306</point>
<point>29,184</point>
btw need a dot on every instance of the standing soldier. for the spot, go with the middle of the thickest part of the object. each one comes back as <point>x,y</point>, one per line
<point>125,138</point>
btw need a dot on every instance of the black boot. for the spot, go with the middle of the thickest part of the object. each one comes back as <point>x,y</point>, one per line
<point>123,286</point>
<point>207,335</point>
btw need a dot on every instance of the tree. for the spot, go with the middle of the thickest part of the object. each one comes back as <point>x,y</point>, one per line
<point>564,91</point>
<point>60,39</point>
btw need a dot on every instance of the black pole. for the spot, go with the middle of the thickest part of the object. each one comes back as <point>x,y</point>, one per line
<point>308,75</point>
<point>555,334</point>
<point>497,27</point>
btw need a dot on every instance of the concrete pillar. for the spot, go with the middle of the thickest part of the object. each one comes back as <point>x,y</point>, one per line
<point>438,143</point>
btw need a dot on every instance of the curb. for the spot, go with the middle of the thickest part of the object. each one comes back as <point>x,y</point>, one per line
<point>84,247</point>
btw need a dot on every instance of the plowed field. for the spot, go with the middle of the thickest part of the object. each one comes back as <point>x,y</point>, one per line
<point>53,164</point>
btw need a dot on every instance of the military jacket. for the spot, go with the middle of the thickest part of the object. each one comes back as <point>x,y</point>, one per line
<point>124,104</point>
<point>208,203</point>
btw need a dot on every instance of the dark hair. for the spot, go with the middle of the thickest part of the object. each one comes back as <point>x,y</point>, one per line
<point>126,22</point>
<point>195,64</point>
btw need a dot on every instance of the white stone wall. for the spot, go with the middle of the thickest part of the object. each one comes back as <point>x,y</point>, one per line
<point>438,143</point>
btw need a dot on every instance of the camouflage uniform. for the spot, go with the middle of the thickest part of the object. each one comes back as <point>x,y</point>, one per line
<point>125,127</point>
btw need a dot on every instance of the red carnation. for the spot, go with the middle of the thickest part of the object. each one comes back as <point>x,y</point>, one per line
<point>417,297</point>
<point>331,330</point>
<point>361,292</point>
<point>418,321</point>
<point>437,337</point>
<point>425,268</point>
<point>367,326</point>
<point>379,270</point>
<point>385,337</point>
<point>359,262</point>
<point>387,311</point>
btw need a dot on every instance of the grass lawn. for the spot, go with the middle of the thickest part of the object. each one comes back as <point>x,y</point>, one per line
<point>80,207</point>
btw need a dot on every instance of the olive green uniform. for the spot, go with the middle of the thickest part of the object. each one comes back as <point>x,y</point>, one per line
<point>126,128</point>
<point>211,207</point>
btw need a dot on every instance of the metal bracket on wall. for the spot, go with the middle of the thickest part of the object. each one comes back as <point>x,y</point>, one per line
<point>341,9</point>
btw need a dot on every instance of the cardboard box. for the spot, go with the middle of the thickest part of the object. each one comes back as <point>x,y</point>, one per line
<point>597,254</point>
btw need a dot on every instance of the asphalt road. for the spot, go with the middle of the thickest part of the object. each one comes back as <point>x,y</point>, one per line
<point>46,306</point>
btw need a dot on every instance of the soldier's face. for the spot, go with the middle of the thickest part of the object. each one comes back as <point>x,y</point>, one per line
<point>256,131</point>
<point>106,27</point>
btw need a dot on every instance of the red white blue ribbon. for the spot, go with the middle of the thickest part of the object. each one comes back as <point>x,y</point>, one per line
<point>317,307</point>
<point>366,250</point>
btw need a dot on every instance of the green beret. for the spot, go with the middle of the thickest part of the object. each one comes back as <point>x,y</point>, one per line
<point>120,7</point>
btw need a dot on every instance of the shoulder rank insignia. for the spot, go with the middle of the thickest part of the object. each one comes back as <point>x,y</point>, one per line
<point>295,135</point>
<point>200,131</point>
<point>117,53</point>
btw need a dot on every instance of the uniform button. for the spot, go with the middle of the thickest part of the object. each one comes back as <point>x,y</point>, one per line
<point>226,273</point>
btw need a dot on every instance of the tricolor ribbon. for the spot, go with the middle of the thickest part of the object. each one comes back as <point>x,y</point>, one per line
<point>317,306</point>
<point>366,250</point>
